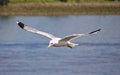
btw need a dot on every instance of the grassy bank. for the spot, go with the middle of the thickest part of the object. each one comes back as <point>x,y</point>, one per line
<point>60,9</point>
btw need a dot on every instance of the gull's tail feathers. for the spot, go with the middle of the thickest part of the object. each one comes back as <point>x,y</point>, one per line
<point>71,45</point>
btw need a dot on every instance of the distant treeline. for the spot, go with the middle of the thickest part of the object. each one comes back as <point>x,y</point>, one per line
<point>5,2</point>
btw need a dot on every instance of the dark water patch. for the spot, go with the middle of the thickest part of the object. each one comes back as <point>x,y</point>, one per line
<point>18,70</point>
<point>26,45</point>
<point>3,57</point>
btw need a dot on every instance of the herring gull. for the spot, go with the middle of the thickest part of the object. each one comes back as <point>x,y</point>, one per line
<point>56,41</point>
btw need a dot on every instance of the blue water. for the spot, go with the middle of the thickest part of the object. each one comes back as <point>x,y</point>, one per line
<point>25,53</point>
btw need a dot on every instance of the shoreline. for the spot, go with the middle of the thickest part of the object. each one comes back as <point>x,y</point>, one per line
<point>49,9</point>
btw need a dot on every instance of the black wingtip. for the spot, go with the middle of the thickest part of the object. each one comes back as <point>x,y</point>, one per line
<point>20,24</point>
<point>94,31</point>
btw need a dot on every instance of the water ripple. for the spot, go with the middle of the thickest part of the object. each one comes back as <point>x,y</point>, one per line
<point>33,45</point>
<point>99,44</point>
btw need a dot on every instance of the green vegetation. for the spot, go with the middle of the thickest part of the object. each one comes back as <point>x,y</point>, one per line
<point>42,1</point>
<point>67,1</point>
<point>4,2</point>
<point>60,7</point>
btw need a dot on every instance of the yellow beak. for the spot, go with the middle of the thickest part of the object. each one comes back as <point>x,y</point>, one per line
<point>49,46</point>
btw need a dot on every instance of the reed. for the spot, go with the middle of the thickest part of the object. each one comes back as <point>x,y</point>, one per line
<point>60,9</point>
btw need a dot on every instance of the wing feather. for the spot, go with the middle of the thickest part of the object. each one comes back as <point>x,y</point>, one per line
<point>30,29</point>
<point>71,37</point>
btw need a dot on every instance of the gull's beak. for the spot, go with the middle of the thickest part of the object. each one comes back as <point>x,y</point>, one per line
<point>49,46</point>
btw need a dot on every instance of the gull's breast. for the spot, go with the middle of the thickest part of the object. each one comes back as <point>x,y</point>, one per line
<point>60,44</point>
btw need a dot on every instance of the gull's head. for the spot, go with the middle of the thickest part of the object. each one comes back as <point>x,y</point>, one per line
<point>53,42</point>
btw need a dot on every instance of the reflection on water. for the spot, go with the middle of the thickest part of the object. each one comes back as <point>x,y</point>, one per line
<point>24,53</point>
<point>40,45</point>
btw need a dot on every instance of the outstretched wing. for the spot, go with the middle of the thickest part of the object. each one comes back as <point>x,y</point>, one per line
<point>71,37</point>
<point>30,29</point>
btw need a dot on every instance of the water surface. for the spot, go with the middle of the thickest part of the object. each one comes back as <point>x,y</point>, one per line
<point>25,53</point>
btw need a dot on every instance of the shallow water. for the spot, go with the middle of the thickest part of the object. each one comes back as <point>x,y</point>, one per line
<point>24,53</point>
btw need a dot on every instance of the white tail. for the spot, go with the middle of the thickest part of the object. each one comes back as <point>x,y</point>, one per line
<point>71,45</point>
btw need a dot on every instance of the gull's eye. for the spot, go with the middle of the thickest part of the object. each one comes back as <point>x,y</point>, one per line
<point>52,43</point>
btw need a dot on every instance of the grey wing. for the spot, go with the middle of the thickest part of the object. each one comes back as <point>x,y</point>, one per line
<point>30,29</point>
<point>71,37</point>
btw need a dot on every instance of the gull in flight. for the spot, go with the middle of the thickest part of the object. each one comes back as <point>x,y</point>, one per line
<point>56,41</point>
